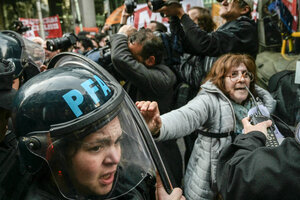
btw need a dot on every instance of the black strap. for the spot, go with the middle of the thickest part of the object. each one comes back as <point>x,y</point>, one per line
<point>215,135</point>
<point>10,139</point>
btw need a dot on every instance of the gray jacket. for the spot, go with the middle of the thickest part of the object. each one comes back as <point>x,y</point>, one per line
<point>210,111</point>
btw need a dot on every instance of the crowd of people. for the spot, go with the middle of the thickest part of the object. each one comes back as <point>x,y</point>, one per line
<point>96,118</point>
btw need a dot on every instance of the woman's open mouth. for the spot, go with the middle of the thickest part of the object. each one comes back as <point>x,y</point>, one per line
<point>107,179</point>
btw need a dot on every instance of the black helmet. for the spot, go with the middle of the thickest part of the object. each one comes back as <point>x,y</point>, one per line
<point>60,108</point>
<point>7,70</point>
<point>27,56</point>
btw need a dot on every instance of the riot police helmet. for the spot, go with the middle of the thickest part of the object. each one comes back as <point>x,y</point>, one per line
<point>27,56</point>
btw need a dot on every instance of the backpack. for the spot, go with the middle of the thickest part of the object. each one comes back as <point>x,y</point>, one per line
<point>287,94</point>
<point>190,74</point>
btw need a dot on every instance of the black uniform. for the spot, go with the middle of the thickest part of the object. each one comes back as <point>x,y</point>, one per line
<point>249,170</point>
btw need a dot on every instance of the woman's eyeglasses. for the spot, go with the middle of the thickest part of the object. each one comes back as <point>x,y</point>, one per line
<point>235,76</point>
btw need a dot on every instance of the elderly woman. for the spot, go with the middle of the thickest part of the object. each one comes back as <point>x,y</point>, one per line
<point>216,113</point>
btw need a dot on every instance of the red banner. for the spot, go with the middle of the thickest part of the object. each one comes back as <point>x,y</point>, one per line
<point>291,5</point>
<point>52,27</point>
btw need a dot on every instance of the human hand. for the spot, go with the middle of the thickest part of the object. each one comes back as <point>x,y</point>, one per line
<point>172,9</point>
<point>161,194</point>
<point>262,126</point>
<point>151,114</point>
<point>43,68</point>
<point>124,16</point>
<point>127,30</point>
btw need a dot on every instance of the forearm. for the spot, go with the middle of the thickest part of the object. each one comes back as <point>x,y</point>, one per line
<point>183,121</point>
<point>196,41</point>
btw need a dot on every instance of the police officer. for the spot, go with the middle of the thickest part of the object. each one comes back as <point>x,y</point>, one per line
<point>82,136</point>
<point>7,94</point>
<point>11,176</point>
<point>26,55</point>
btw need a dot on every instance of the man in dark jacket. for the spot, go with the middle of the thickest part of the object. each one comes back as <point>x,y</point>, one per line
<point>249,170</point>
<point>138,59</point>
<point>237,35</point>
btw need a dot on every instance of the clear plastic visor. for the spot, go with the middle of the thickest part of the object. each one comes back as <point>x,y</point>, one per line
<point>33,53</point>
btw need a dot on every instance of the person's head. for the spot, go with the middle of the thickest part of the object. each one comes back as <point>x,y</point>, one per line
<point>85,45</point>
<point>231,72</point>
<point>27,55</point>
<point>101,38</point>
<point>76,119</point>
<point>95,160</point>
<point>83,34</point>
<point>95,42</point>
<point>146,47</point>
<point>202,17</point>
<point>157,26</point>
<point>232,9</point>
<point>7,94</point>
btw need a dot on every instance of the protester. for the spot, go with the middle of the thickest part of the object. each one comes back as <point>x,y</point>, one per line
<point>237,35</point>
<point>215,113</point>
<point>11,176</point>
<point>95,148</point>
<point>249,170</point>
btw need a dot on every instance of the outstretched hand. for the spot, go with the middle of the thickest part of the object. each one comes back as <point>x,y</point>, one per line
<point>161,193</point>
<point>262,126</point>
<point>124,16</point>
<point>173,9</point>
<point>151,114</point>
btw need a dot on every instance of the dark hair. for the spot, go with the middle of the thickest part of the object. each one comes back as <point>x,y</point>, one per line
<point>159,26</point>
<point>225,63</point>
<point>204,18</point>
<point>100,36</point>
<point>152,44</point>
<point>86,43</point>
<point>82,34</point>
<point>243,4</point>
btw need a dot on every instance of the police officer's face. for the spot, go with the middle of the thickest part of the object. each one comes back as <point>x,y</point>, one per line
<point>95,163</point>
